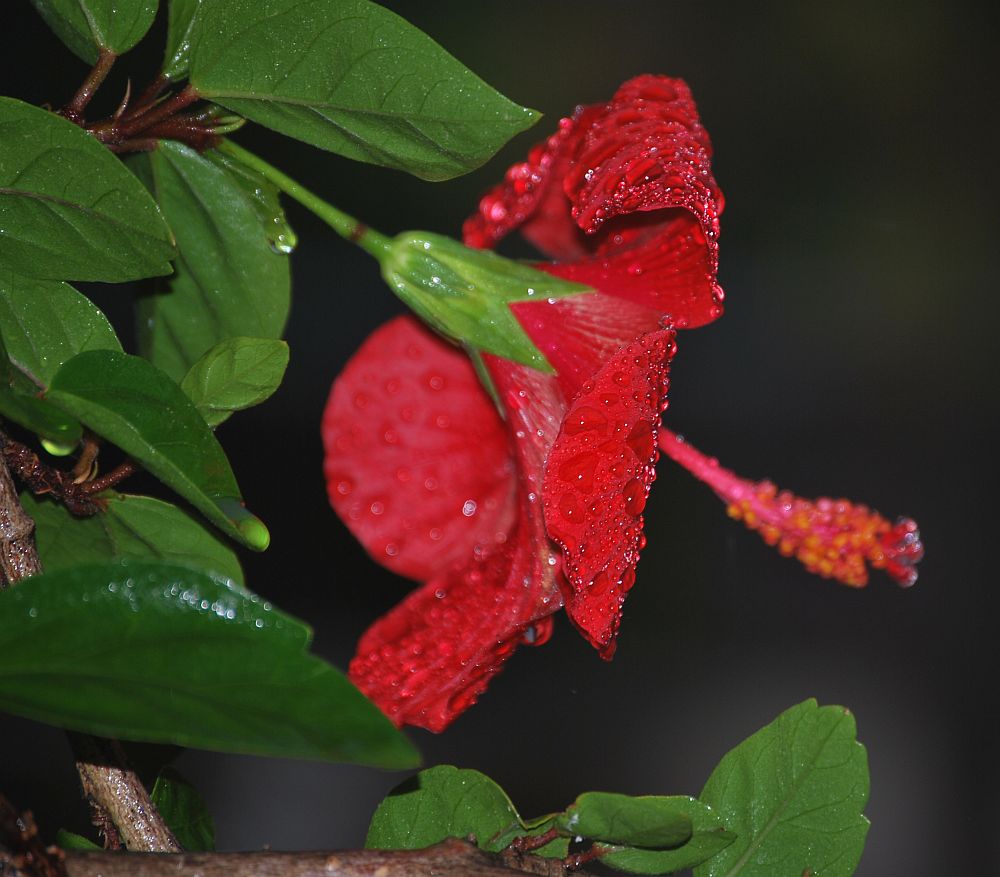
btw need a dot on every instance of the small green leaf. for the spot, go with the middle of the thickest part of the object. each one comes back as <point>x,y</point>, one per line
<point>132,526</point>
<point>41,417</point>
<point>181,19</point>
<point>235,374</point>
<point>445,802</point>
<point>230,280</point>
<point>708,838</point>
<point>45,322</point>
<point>353,78</point>
<point>87,26</point>
<point>184,810</point>
<point>794,793</point>
<point>69,840</point>
<point>70,210</point>
<point>465,294</point>
<point>652,821</point>
<point>147,651</point>
<point>130,402</point>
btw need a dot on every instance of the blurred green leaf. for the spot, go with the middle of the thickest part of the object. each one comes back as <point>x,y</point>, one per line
<point>89,25</point>
<point>230,281</point>
<point>184,810</point>
<point>68,207</point>
<point>148,651</point>
<point>130,402</point>
<point>69,840</point>
<point>132,526</point>
<point>235,374</point>
<point>793,792</point>
<point>353,78</point>
<point>180,28</point>
<point>649,821</point>
<point>708,838</point>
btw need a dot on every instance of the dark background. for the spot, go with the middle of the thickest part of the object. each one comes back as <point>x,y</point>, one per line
<point>855,148</point>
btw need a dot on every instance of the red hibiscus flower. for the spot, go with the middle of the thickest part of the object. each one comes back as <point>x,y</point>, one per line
<point>509,509</point>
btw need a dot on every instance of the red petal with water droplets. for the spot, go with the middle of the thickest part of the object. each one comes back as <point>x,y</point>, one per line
<point>623,195</point>
<point>417,459</point>
<point>597,478</point>
<point>431,657</point>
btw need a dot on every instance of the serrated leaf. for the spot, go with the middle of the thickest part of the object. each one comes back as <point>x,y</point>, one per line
<point>147,651</point>
<point>140,527</point>
<point>86,26</point>
<point>446,801</point>
<point>353,78</point>
<point>708,838</point>
<point>234,375</point>
<point>134,405</point>
<point>184,810</point>
<point>69,840</point>
<point>69,210</point>
<point>180,28</point>
<point>793,792</point>
<point>651,821</point>
<point>45,322</point>
<point>230,282</point>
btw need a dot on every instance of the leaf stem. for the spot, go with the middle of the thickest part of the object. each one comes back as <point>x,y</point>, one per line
<point>349,228</point>
<point>78,103</point>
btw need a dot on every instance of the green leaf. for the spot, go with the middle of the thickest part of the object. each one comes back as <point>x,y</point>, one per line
<point>353,78</point>
<point>87,26</point>
<point>132,526</point>
<point>230,281</point>
<point>45,322</point>
<point>147,651</point>
<point>184,810</point>
<point>446,801</point>
<point>651,821</point>
<point>180,28</point>
<point>708,838</point>
<point>69,209</point>
<point>234,375</point>
<point>465,294</point>
<point>40,416</point>
<point>69,840</point>
<point>130,402</point>
<point>794,793</point>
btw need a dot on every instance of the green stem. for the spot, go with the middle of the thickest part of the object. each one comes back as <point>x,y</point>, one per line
<point>346,226</point>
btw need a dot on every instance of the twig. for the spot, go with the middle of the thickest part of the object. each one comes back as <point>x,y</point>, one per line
<point>450,858</point>
<point>115,792</point>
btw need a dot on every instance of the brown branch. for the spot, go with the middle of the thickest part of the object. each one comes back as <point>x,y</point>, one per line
<point>115,792</point>
<point>450,858</point>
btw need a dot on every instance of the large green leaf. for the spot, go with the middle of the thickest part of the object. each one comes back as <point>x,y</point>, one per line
<point>184,810</point>
<point>180,24</point>
<point>130,402</point>
<point>446,801</point>
<point>234,375</point>
<point>69,209</point>
<point>40,416</point>
<point>353,78</point>
<point>87,26</point>
<point>230,281</point>
<point>45,322</point>
<point>794,793</point>
<point>147,651</point>
<point>132,526</point>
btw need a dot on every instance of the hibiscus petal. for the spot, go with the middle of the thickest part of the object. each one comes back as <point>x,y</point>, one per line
<point>430,658</point>
<point>597,478</point>
<point>634,175</point>
<point>417,459</point>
